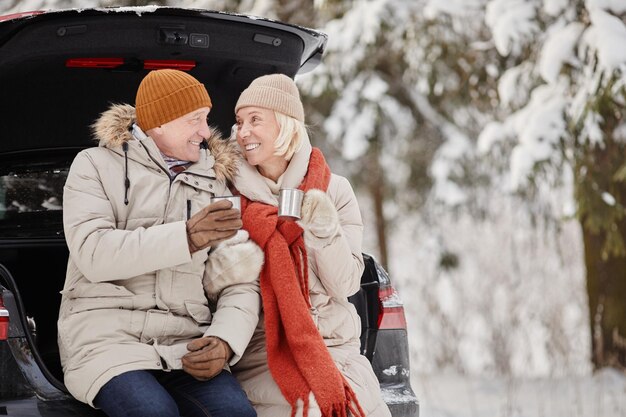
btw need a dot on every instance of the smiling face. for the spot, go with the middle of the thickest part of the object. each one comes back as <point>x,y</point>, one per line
<point>181,138</point>
<point>257,130</point>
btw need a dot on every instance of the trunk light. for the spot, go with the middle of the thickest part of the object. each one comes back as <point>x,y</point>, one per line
<point>391,314</point>
<point>4,321</point>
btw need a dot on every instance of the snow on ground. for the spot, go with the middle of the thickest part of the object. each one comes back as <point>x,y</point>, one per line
<point>454,395</point>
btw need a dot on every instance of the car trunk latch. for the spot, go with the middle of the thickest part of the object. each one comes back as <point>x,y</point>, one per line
<point>173,36</point>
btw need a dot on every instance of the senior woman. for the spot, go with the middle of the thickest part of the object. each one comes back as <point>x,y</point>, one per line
<point>304,357</point>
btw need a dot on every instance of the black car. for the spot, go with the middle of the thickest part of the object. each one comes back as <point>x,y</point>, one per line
<point>58,71</point>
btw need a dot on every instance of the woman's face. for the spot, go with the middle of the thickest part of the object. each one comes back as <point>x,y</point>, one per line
<point>257,130</point>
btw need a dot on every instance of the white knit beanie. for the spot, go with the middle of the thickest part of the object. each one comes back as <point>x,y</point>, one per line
<point>275,92</point>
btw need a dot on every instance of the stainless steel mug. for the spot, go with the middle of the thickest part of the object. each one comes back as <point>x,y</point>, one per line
<point>235,199</point>
<point>290,202</point>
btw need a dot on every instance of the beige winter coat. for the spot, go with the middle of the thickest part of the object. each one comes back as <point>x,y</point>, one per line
<point>133,296</point>
<point>334,274</point>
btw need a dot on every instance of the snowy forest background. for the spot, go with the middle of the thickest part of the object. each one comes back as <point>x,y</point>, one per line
<point>486,142</point>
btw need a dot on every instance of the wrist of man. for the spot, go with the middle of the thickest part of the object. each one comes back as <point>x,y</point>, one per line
<point>192,247</point>
<point>228,351</point>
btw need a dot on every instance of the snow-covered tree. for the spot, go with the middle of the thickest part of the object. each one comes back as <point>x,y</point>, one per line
<point>564,100</point>
<point>395,89</point>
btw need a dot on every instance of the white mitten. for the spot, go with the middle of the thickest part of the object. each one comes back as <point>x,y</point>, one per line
<point>319,218</point>
<point>237,260</point>
<point>240,237</point>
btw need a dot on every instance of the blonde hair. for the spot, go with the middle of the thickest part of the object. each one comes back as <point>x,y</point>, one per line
<point>290,136</point>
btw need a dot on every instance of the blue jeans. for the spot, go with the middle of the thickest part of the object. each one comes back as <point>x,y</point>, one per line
<point>173,394</point>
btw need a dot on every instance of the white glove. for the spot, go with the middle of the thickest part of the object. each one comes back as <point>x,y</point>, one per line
<point>237,260</point>
<point>319,219</point>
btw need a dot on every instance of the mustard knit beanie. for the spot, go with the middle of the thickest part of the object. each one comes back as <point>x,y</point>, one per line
<point>167,94</point>
<point>275,92</point>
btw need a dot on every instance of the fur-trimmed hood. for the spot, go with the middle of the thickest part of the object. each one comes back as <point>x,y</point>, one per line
<point>114,127</point>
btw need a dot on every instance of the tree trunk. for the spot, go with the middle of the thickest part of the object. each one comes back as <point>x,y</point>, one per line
<point>604,233</point>
<point>606,288</point>
<point>376,187</point>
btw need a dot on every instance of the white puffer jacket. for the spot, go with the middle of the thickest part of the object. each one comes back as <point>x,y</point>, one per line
<point>133,294</point>
<point>335,270</point>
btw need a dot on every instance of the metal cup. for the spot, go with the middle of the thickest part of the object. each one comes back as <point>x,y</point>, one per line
<point>290,202</point>
<point>235,199</point>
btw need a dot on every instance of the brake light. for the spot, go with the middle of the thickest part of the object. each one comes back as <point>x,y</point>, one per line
<point>94,62</point>
<point>4,321</point>
<point>391,312</point>
<point>151,64</point>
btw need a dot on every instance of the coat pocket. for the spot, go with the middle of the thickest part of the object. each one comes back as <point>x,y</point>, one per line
<point>85,296</point>
<point>198,311</point>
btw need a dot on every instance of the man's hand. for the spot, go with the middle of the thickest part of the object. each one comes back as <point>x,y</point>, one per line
<point>206,358</point>
<point>216,222</point>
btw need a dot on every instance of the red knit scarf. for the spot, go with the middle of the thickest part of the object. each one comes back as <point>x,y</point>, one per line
<point>298,359</point>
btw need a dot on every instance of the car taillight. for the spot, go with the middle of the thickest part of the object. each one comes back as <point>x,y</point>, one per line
<point>391,312</point>
<point>4,321</point>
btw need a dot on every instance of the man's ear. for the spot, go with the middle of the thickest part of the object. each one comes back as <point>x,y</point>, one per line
<point>155,132</point>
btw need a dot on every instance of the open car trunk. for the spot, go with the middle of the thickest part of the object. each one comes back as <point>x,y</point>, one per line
<point>58,72</point>
<point>51,92</point>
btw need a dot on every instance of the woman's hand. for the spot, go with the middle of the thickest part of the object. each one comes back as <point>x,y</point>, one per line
<point>319,218</point>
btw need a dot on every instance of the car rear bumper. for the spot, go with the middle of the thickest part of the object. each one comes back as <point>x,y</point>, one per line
<point>401,400</point>
<point>392,367</point>
<point>34,407</point>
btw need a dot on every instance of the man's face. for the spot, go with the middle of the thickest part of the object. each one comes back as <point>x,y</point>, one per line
<point>181,138</point>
